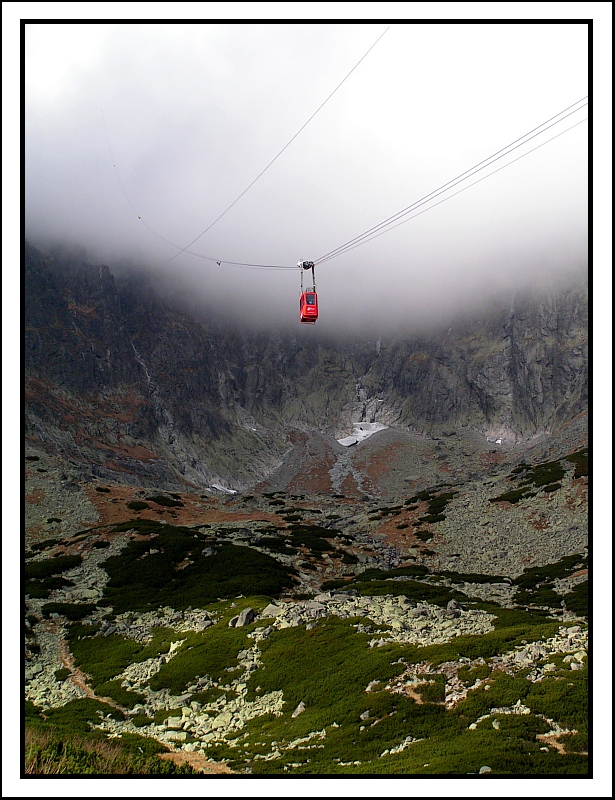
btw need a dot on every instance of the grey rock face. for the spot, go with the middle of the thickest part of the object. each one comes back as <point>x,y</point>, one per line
<point>214,405</point>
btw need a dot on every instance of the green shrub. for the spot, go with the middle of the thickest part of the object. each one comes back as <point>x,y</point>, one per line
<point>51,566</point>
<point>469,675</point>
<point>546,473</point>
<point>72,611</point>
<point>137,505</point>
<point>160,643</point>
<point>44,545</point>
<point>36,590</point>
<point>140,720</point>
<point>577,600</point>
<point>140,581</point>
<point>328,586</point>
<point>75,716</point>
<point>413,590</point>
<point>532,577</point>
<point>101,657</point>
<point>581,461</point>
<point>207,653</point>
<point>565,701</point>
<point>162,500</point>
<point>433,691</point>
<point>575,743</point>
<point>121,695</point>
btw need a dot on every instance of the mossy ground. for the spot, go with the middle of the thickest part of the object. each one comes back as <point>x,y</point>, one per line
<point>344,729</point>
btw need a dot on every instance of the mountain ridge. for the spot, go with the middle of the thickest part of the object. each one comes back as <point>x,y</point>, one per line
<point>175,397</point>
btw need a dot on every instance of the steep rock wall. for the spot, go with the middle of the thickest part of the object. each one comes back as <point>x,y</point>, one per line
<point>118,379</point>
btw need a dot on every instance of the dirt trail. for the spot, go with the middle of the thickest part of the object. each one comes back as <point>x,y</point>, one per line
<point>80,679</point>
<point>198,762</point>
<point>551,739</point>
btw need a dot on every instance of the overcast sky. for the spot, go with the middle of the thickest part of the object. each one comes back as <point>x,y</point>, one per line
<point>172,122</point>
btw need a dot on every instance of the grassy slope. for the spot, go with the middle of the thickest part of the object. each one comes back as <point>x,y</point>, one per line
<point>326,668</point>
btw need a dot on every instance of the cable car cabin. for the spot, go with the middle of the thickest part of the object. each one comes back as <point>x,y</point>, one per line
<point>308,307</point>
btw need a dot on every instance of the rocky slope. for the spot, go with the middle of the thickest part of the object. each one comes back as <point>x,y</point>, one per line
<point>122,386</point>
<point>240,679</point>
<point>208,566</point>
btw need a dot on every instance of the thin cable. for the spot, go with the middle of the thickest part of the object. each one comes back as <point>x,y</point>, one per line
<point>166,241</point>
<point>305,124</point>
<point>444,199</point>
<point>115,168</point>
<point>453,182</point>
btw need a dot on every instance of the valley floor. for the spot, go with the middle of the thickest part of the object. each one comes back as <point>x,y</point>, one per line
<point>404,606</point>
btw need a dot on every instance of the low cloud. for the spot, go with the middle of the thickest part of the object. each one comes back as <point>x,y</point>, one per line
<point>139,136</point>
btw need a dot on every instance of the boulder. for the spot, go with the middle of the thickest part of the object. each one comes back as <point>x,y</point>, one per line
<point>222,720</point>
<point>247,616</point>
<point>299,710</point>
<point>272,610</point>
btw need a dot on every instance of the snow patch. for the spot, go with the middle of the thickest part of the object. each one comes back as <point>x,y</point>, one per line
<point>223,488</point>
<point>360,431</point>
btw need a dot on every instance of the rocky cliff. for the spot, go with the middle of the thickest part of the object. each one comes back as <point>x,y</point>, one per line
<point>124,386</point>
<point>410,602</point>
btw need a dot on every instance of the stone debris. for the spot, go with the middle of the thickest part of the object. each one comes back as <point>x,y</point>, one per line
<point>387,619</point>
<point>532,655</point>
<point>409,623</point>
<point>401,746</point>
<point>537,531</point>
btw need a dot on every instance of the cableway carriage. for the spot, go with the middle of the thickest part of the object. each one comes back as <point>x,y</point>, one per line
<point>308,301</point>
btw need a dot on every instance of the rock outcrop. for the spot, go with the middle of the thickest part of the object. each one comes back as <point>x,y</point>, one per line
<point>124,384</point>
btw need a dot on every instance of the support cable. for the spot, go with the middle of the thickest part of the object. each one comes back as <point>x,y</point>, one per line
<point>527,137</point>
<point>449,197</point>
<point>260,174</point>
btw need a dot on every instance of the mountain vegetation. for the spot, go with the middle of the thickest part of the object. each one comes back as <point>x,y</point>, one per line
<point>214,584</point>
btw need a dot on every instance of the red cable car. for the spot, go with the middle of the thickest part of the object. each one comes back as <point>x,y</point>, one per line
<point>308,302</point>
<point>308,307</point>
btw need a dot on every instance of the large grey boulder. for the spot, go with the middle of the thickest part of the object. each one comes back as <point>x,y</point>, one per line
<point>272,611</point>
<point>299,710</point>
<point>247,616</point>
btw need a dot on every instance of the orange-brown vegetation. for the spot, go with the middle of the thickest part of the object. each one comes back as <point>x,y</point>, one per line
<point>349,487</point>
<point>35,497</point>
<point>113,508</point>
<point>377,466</point>
<point>315,478</point>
